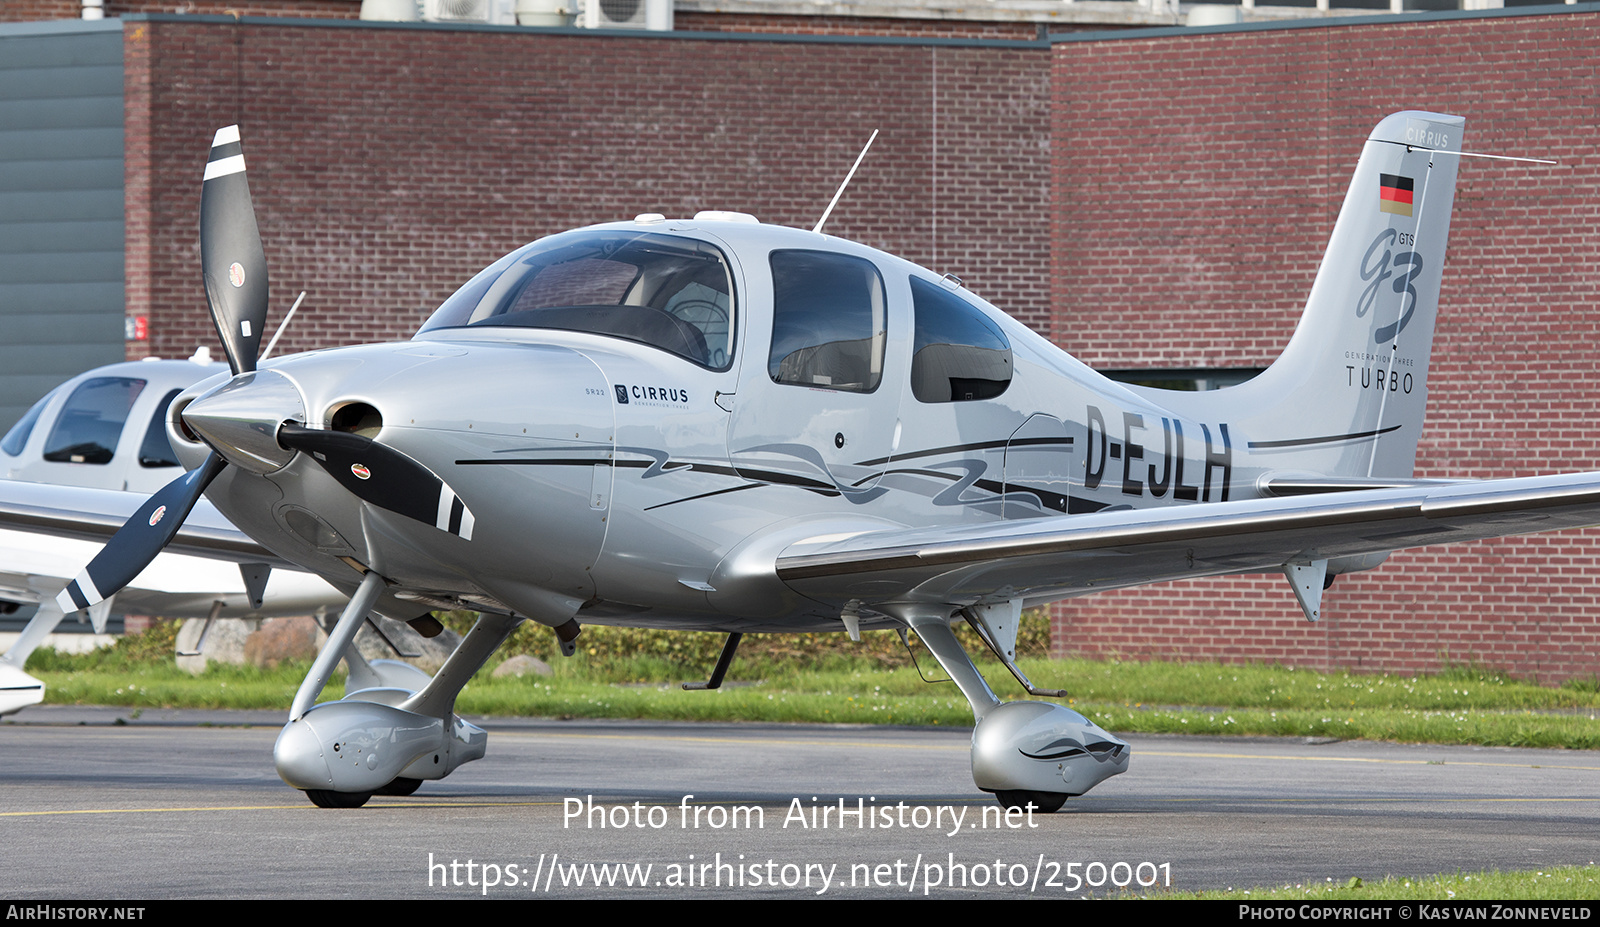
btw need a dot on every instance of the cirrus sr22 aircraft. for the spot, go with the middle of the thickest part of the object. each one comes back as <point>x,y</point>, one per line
<point>715,424</point>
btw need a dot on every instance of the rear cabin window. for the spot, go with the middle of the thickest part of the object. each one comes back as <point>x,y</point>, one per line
<point>959,354</point>
<point>156,450</point>
<point>828,317</point>
<point>91,422</point>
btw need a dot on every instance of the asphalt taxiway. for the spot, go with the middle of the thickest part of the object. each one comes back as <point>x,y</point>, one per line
<point>95,803</point>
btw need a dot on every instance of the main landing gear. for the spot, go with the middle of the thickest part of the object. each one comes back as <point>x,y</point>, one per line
<point>1024,752</point>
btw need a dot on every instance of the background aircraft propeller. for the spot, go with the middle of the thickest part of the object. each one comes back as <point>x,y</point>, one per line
<point>138,541</point>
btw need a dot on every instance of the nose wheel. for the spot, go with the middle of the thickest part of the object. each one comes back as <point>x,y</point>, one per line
<point>327,798</point>
<point>400,786</point>
<point>1042,802</point>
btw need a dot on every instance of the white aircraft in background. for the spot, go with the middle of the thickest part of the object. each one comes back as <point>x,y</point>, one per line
<point>104,432</point>
<point>719,425</point>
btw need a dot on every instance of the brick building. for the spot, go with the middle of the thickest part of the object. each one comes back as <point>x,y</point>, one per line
<point>1152,200</point>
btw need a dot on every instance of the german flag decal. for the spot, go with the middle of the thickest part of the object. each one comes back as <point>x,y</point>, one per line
<point>1394,194</point>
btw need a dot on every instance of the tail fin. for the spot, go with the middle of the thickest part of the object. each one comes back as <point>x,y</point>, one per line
<point>1347,396</point>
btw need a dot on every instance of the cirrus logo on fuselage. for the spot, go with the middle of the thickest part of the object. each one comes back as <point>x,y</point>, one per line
<point>633,393</point>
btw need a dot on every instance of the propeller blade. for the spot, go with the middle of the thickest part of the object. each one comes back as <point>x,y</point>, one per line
<point>231,255</point>
<point>138,542</point>
<point>235,267</point>
<point>382,476</point>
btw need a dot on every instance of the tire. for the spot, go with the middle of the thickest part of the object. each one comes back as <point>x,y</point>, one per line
<point>400,786</point>
<point>1043,802</point>
<point>327,798</point>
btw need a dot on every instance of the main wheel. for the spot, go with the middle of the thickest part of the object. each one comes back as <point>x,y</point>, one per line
<point>1043,802</point>
<point>327,798</point>
<point>400,786</point>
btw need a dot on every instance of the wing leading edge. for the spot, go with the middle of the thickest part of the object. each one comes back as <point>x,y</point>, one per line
<point>96,514</point>
<point>1045,559</point>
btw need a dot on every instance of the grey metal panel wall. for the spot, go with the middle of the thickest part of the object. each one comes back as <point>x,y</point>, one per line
<point>61,214</point>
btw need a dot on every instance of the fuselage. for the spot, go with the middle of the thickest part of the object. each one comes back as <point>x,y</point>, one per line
<point>641,448</point>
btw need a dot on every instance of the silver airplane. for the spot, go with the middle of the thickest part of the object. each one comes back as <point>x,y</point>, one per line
<point>720,425</point>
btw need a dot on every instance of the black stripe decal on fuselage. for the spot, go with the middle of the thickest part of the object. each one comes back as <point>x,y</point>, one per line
<point>1047,499</point>
<point>757,476</point>
<point>1328,439</point>
<point>1065,441</point>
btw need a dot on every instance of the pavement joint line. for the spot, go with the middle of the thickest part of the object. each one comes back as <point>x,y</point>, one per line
<point>1179,754</point>
<point>774,803</point>
<point>853,744</point>
<point>294,807</point>
<point>1230,801</point>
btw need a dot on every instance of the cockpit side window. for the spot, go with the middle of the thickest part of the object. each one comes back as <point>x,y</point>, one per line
<point>17,438</point>
<point>828,321</point>
<point>672,293</point>
<point>155,450</point>
<point>958,353</point>
<point>92,420</point>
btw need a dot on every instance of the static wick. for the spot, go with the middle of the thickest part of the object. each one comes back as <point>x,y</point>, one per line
<point>835,201</point>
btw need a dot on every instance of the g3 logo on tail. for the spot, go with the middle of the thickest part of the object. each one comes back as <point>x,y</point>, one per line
<point>1406,264</point>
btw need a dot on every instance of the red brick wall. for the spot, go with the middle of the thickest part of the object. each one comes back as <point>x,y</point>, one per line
<point>389,165</point>
<point>857,25</point>
<point>33,10</point>
<point>1196,181</point>
<point>27,11</point>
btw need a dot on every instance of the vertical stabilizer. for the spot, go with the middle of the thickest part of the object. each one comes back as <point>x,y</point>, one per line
<point>1347,396</point>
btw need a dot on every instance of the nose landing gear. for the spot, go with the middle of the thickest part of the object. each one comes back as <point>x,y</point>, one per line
<point>384,740</point>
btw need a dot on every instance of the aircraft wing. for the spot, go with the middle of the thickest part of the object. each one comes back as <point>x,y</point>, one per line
<point>96,514</point>
<point>1050,558</point>
<point>48,532</point>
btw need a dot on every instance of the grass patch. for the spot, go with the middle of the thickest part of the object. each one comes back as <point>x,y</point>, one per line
<point>621,673</point>
<point>138,671</point>
<point>1560,883</point>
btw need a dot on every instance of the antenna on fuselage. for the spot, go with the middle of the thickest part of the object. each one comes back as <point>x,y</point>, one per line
<point>282,325</point>
<point>835,201</point>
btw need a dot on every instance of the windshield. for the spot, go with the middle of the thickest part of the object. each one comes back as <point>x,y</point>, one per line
<point>17,438</point>
<point>91,422</point>
<point>671,293</point>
